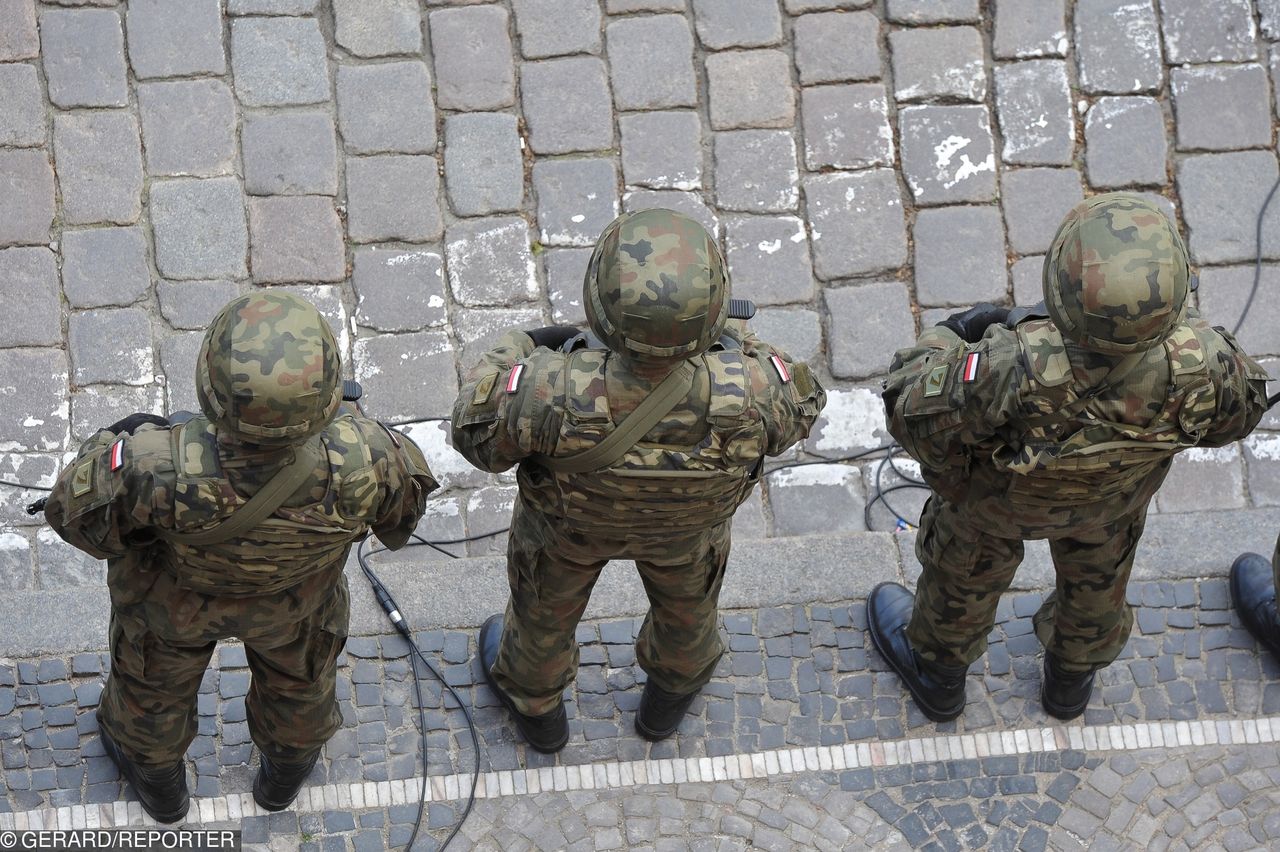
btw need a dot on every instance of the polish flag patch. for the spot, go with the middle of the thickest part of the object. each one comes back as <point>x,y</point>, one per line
<point>117,455</point>
<point>513,380</point>
<point>781,367</point>
<point>970,371</point>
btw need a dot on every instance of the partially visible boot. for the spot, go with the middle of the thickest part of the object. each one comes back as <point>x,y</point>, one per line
<point>937,689</point>
<point>161,792</point>
<point>1064,693</point>
<point>1254,592</point>
<point>546,733</point>
<point>277,784</point>
<point>660,711</point>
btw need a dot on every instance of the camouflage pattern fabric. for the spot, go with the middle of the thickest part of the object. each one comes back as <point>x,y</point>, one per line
<point>1029,434</point>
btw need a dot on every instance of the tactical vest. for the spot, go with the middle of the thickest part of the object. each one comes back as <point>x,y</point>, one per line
<point>291,544</point>
<point>656,489</point>
<point>1066,455</point>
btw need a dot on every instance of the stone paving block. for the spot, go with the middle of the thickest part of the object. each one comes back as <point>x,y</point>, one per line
<point>1125,142</point>
<point>947,153</point>
<point>565,270</point>
<point>932,11</point>
<point>688,203</point>
<point>39,380</point>
<point>1035,203</point>
<point>62,566</point>
<point>105,266</point>
<point>1028,280</point>
<point>483,163</point>
<point>960,256</point>
<point>17,570</point>
<point>188,127</point>
<point>279,61</point>
<point>1196,31</point>
<point>1223,292</point>
<point>174,40</point>
<point>99,157</point>
<point>857,223</point>
<point>938,63</point>
<point>490,262</point>
<point>479,329</point>
<point>193,304</point>
<point>26,175</point>
<point>797,7</point>
<point>1204,479</point>
<point>817,499</point>
<point>1221,107</point>
<point>1026,29</point>
<point>566,104</point>
<point>866,322</point>
<point>22,109</point>
<point>295,239</point>
<point>126,360</point>
<point>1033,100</point>
<point>97,406</point>
<point>377,27</point>
<point>796,331</point>
<point>846,127</point>
<point>398,290</point>
<point>833,47</point>
<point>386,108</point>
<point>407,376</point>
<point>577,198</point>
<point>768,259</point>
<point>271,7</point>
<point>662,150</point>
<point>393,197</point>
<point>83,53</point>
<point>1262,460</point>
<point>19,38</point>
<point>199,228</point>
<point>620,7</point>
<point>737,23</point>
<point>557,27</point>
<point>1118,46</point>
<point>651,62</point>
<point>750,88</point>
<point>289,153</point>
<point>1221,196</point>
<point>472,51</point>
<point>756,171</point>
<point>29,277</point>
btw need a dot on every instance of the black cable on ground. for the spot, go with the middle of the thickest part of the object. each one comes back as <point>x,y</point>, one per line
<point>1257,263</point>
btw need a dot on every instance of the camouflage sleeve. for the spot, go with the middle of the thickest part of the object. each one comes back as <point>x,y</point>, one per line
<point>943,394</point>
<point>1240,385</point>
<point>407,483</point>
<point>104,500</point>
<point>509,405</point>
<point>787,394</point>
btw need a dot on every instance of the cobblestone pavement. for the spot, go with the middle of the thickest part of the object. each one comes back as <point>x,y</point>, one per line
<point>432,173</point>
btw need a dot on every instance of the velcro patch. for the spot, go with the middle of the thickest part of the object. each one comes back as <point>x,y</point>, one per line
<point>936,381</point>
<point>82,479</point>
<point>971,362</point>
<point>117,455</point>
<point>513,380</point>
<point>484,389</point>
<point>781,367</point>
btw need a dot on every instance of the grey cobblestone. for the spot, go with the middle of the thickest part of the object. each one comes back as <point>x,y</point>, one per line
<point>484,169</point>
<point>1221,197</point>
<point>1125,142</point>
<point>290,153</point>
<point>199,228</point>
<point>83,52</point>
<point>833,47</point>
<point>472,51</point>
<point>651,61</point>
<point>723,24</point>
<point>1224,32</point>
<point>844,246</point>
<point>29,176</point>
<point>768,259</point>
<point>1035,202</point>
<point>938,63</point>
<point>393,197</point>
<point>796,331</point>
<point>877,312</point>
<point>557,28</point>
<point>1027,274</point>
<point>129,363</point>
<point>407,376</point>
<point>1033,102</point>
<point>166,40</point>
<point>750,88</point>
<point>99,156</point>
<point>846,127</point>
<point>662,150</point>
<point>756,171</point>
<point>1221,107</point>
<point>1026,29</point>
<point>278,61</point>
<point>490,262</point>
<point>295,239</point>
<point>565,271</point>
<point>577,198</point>
<point>948,153</point>
<point>566,104</point>
<point>29,276</point>
<point>192,304</point>
<point>1118,46</point>
<point>377,27</point>
<point>960,257</point>
<point>22,112</point>
<point>104,266</point>
<point>386,108</point>
<point>18,36</point>
<point>188,127</point>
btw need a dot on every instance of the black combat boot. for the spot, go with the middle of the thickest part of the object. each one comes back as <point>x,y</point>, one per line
<point>1064,693</point>
<point>661,711</point>
<point>1254,593</point>
<point>546,733</point>
<point>937,689</point>
<point>277,784</point>
<point>161,792</point>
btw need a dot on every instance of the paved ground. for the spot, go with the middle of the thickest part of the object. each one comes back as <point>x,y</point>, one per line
<point>431,173</point>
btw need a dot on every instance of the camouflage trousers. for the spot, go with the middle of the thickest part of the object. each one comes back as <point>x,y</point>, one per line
<point>163,635</point>
<point>1085,622</point>
<point>551,571</point>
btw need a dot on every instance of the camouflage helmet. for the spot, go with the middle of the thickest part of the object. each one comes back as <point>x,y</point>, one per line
<point>1116,277</point>
<point>269,371</point>
<point>656,289</point>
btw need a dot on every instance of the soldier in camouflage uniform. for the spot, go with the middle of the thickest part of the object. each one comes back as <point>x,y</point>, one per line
<point>158,501</point>
<point>662,491</point>
<point>1057,427</point>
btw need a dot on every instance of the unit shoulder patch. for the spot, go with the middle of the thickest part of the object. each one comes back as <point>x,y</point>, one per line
<point>936,381</point>
<point>82,479</point>
<point>484,389</point>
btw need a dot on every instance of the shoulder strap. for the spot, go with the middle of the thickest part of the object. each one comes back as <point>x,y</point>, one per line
<point>268,498</point>
<point>615,445</point>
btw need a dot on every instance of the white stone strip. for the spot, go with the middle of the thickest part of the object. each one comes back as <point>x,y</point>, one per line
<point>616,775</point>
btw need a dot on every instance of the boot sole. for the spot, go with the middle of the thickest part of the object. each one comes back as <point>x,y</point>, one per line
<point>930,712</point>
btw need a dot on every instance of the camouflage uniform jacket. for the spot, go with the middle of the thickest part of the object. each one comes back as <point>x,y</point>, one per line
<point>1030,416</point>
<point>122,494</point>
<point>748,400</point>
